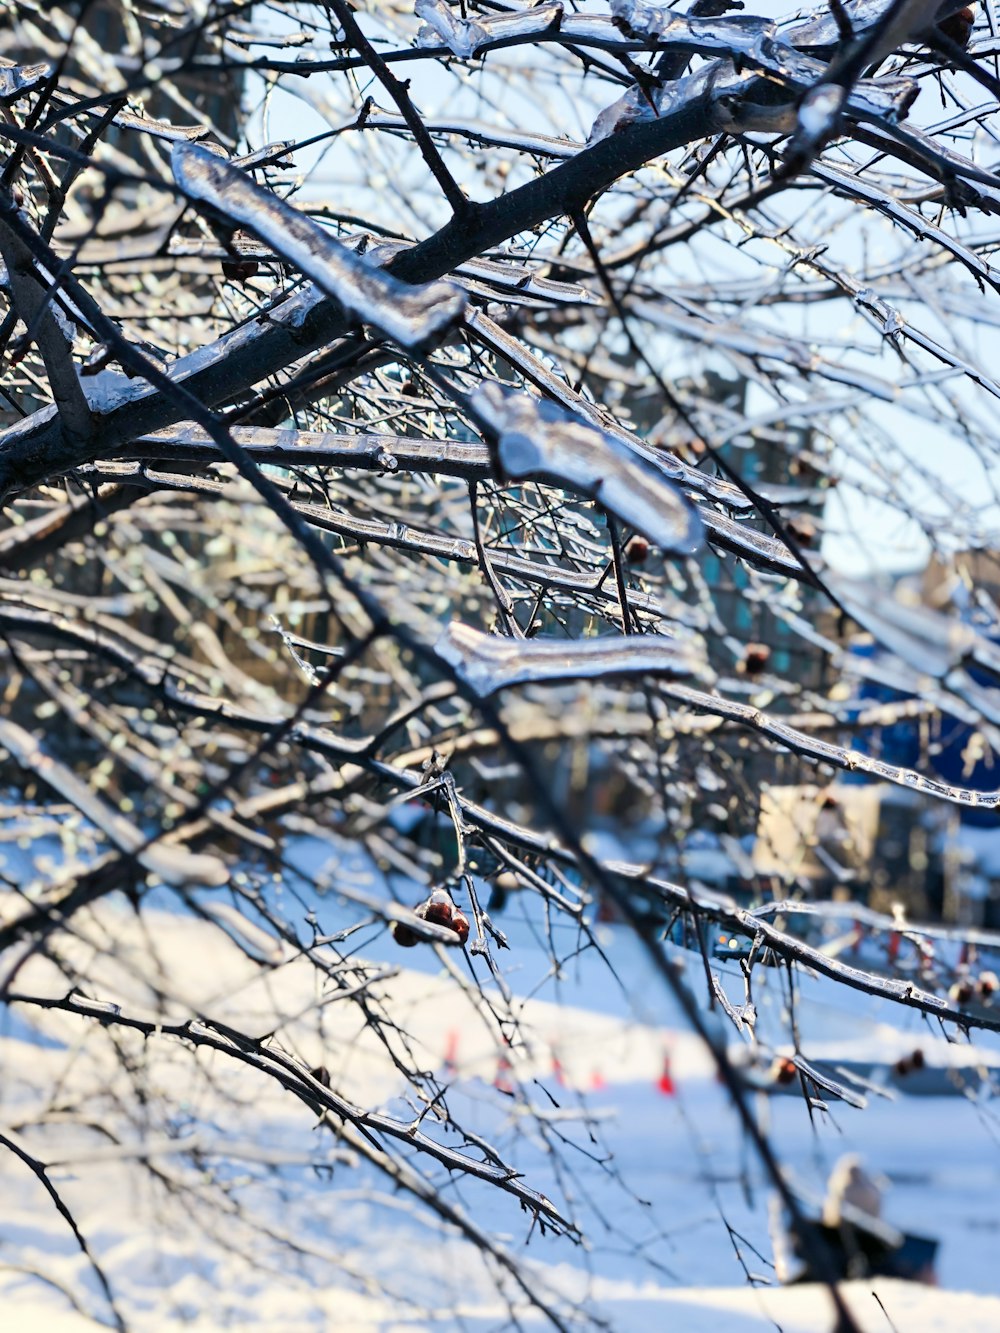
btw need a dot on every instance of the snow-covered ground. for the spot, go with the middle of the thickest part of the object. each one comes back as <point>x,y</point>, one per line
<point>662,1180</point>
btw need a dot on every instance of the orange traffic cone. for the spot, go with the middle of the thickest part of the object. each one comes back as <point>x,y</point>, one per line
<point>451,1052</point>
<point>666,1082</point>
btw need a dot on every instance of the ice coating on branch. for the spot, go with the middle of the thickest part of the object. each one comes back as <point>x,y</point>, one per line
<point>408,315</point>
<point>759,50</point>
<point>461,36</point>
<point>820,31</point>
<point>820,110</point>
<point>16,80</point>
<point>638,16</point>
<point>513,351</point>
<point>632,106</point>
<point>488,663</point>
<point>540,441</point>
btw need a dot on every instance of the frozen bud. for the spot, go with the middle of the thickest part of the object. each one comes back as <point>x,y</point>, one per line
<point>987,985</point>
<point>960,992</point>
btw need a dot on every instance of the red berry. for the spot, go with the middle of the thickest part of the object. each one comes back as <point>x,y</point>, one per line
<point>958,27</point>
<point>403,935</point>
<point>637,550</point>
<point>460,924</point>
<point>755,658</point>
<point>784,1070</point>
<point>437,909</point>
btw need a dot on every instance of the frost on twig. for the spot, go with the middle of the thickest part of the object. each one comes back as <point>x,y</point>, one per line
<point>408,315</point>
<point>538,441</point>
<point>488,663</point>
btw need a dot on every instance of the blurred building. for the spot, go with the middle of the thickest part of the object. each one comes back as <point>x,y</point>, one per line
<point>886,844</point>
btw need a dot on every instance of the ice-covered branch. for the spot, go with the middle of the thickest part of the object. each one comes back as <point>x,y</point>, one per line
<point>488,663</point>
<point>174,865</point>
<point>409,315</point>
<point>539,441</point>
